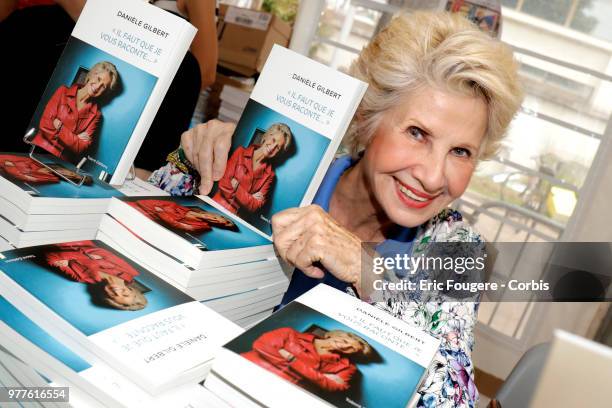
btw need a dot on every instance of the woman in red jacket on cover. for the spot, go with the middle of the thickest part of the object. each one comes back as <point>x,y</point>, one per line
<point>72,115</point>
<point>298,357</point>
<point>85,262</point>
<point>190,219</point>
<point>25,169</point>
<point>249,174</point>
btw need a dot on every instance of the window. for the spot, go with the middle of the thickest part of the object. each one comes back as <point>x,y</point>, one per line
<point>592,17</point>
<point>551,10</point>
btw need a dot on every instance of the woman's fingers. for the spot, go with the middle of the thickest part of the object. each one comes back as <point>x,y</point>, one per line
<point>290,217</point>
<point>204,164</point>
<point>221,147</point>
<point>187,138</point>
<point>308,237</point>
<point>207,146</point>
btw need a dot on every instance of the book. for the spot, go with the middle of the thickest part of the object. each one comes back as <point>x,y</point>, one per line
<point>43,222</point>
<point>173,271</point>
<point>119,61</point>
<point>231,302</point>
<point>5,245</point>
<point>110,310</point>
<point>38,352</point>
<point>33,189</point>
<point>19,238</point>
<point>193,229</point>
<point>324,349</point>
<point>292,125</point>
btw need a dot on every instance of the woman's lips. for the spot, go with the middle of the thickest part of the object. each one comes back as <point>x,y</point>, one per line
<point>411,197</point>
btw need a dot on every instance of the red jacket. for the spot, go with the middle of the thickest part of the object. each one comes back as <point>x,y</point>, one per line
<point>65,142</point>
<point>308,364</point>
<point>26,169</point>
<point>86,261</point>
<point>171,214</point>
<point>240,167</point>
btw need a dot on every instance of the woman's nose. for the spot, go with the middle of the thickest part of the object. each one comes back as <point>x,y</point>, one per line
<point>430,172</point>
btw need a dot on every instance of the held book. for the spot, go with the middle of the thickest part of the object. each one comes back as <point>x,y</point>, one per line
<point>109,309</point>
<point>324,349</point>
<point>286,137</point>
<point>108,85</point>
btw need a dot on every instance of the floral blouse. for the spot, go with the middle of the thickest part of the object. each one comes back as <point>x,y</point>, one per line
<point>450,380</point>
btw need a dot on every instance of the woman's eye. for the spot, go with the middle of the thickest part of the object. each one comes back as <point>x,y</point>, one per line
<point>415,132</point>
<point>461,152</point>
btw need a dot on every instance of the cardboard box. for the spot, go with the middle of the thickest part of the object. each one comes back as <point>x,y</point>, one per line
<point>247,36</point>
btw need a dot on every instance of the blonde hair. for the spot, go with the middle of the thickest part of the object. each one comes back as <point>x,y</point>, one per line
<point>439,50</point>
<point>284,130</point>
<point>366,349</point>
<point>107,67</point>
<point>140,301</point>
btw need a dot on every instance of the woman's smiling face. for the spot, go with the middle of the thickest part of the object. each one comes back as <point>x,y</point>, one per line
<point>423,154</point>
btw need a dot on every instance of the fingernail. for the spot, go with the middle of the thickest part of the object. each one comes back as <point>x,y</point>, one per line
<point>205,187</point>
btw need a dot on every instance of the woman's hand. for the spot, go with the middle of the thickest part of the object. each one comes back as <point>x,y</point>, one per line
<point>84,136</point>
<point>234,183</point>
<point>335,378</point>
<point>207,146</point>
<point>57,124</point>
<point>307,236</point>
<point>286,355</point>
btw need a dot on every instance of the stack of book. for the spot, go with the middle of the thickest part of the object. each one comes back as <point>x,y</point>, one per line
<point>38,206</point>
<point>94,114</point>
<point>45,200</point>
<point>324,349</point>
<point>85,316</point>
<point>233,102</point>
<point>194,245</point>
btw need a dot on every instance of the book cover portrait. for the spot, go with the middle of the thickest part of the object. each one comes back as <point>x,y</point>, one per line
<point>89,284</point>
<point>39,181</point>
<point>271,165</point>
<point>90,107</point>
<point>196,221</point>
<point>329,359</point>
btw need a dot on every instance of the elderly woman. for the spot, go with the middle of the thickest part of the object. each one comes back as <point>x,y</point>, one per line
<point>249,174</point>
<point>441,95</point>
<point>71,116</point>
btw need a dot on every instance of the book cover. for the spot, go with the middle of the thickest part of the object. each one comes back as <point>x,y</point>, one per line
<point>108,85</point>
<point>107,308</point>
<point>328,348</point>
<point>61,366</point>
<point>21,174</point>
<point>192,229</point>
<point>286,137</point>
